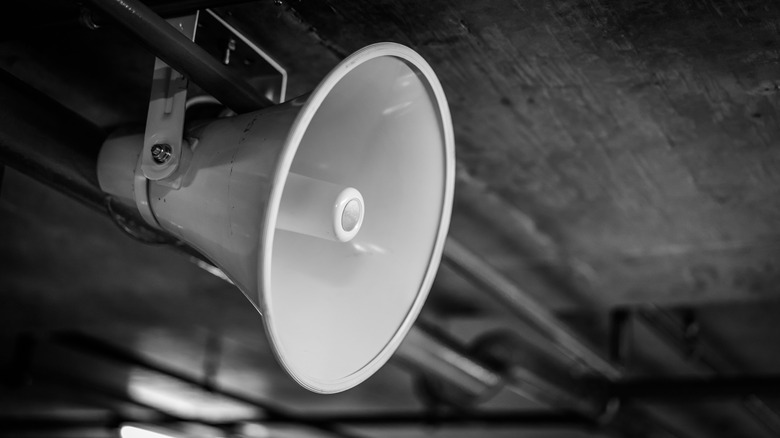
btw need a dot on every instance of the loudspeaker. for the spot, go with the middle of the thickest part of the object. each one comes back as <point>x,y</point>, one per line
<point>329,212</point>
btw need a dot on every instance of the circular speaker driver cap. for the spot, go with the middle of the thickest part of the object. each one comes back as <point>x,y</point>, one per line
<point>352,215</point>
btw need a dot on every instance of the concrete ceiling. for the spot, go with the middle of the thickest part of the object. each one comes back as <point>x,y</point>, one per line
<point>611,155</point>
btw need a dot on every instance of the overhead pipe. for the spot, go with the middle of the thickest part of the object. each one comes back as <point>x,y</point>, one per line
<point>526,307</point>
<point>440,356</point>
<point>531,371</point>
<point>477,372</point>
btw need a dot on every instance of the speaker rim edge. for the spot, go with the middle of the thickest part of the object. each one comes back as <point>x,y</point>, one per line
<point>303,119</point>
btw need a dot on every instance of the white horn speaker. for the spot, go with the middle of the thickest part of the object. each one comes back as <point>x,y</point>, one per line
<point>329,211</point>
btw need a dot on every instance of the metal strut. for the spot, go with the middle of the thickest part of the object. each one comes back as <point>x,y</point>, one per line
<point>183,55</point>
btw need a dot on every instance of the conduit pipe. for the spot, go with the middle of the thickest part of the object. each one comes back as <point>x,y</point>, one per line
<point>526,307</point>
<point>476,373</point>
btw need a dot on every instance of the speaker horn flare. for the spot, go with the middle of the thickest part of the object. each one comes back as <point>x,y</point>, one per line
<point>329,211</point>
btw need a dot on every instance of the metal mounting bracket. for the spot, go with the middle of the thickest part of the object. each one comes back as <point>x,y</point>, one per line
<point>162,149</point>
<point>237,52</point>
<point>165,118</point>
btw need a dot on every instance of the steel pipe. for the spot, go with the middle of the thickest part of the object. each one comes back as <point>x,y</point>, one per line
<point>496,360</point>
<point>428,351</point>
<point>533,372</point>
<point>186,57</point>
<point>522,304</point>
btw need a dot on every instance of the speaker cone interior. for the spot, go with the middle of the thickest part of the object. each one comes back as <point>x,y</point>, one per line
<point>336,311</point>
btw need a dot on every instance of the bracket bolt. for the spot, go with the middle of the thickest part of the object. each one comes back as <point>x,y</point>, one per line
<point>161,153</point>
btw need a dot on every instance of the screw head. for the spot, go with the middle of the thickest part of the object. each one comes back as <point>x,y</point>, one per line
<point>161,153</point>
